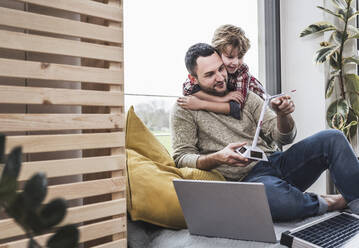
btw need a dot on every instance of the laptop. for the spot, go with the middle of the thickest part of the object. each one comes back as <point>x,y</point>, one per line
<point>336,230</point>
<point>235,210</point>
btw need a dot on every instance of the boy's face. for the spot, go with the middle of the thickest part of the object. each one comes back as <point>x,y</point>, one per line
<point>230,58</point>
<point>211,74</point>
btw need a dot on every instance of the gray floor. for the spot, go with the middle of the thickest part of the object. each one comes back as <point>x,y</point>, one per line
<point>141,234</point>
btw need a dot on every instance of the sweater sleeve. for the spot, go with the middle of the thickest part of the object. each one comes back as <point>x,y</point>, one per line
<point>184,137</point>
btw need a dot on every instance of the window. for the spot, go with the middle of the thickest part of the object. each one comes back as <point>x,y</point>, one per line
<point>157,35</point>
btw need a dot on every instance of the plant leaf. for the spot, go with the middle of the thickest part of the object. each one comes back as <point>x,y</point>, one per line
<point>66,236</point>
<point>331,12</point>
<point>2,148</point>
<point>340,4</point>
<point>318,27</point>
<point>352,85</point>
<point>337,113</point>
<point>35,191</point>
<point>333,61</point>
<point>9,176</point>
<point>53,212</point>
<point>330,87</point>
<point>352,30</point>
<point>352,59</point>
<point>352,13</point>
<point>338,36</point>
<point>322,54</point>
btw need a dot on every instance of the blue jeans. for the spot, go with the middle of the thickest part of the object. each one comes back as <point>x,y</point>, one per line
<point>288,174</point>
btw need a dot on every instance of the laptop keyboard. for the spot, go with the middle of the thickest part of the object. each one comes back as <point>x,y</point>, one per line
<point>333,232</point>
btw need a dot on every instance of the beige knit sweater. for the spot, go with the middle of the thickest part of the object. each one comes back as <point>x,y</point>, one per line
<point>201,132</point>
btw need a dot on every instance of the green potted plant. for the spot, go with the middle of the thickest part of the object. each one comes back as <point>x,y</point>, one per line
<point>26,206</point>
<point>343,111</point>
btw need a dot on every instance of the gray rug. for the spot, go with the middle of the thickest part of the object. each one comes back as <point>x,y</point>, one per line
<point>141,234</point>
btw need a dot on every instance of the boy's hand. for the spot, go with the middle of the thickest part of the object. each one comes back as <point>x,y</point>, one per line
<point>190,102</point>
<point>234,96</point>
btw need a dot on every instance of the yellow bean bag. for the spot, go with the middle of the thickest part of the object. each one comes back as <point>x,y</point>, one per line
<point>151,196</point>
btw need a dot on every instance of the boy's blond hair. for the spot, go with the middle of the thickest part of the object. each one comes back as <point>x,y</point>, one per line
<point>231,35</point>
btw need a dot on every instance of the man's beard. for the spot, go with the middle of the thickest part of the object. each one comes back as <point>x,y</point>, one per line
<point>212,91</point>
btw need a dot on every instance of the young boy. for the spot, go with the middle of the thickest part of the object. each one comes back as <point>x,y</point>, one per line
<point>232,45</point>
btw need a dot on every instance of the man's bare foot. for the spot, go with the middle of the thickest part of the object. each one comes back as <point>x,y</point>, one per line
<point>335,202</point>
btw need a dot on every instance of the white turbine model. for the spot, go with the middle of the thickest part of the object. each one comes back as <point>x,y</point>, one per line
<point>254,152</point>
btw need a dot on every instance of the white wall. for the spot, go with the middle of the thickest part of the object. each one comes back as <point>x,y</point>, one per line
<point>299,71</point>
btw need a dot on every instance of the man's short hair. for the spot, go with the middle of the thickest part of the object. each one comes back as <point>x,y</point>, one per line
<point>195,51</point>
<point>231,35</point>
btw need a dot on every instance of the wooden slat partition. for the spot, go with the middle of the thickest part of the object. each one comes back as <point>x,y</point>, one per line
<point>50,96</point>
<point>83,7</point>
<point>64,51</point>
<point>50,71</point>
<point>56,25</point>
<point>41,44</point>
<point>39,122</point>
<point>74,215</point>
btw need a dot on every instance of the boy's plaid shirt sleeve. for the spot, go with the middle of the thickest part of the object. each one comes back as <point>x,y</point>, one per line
<point>190,88</point>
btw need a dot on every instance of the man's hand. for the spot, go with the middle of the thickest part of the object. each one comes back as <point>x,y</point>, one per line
<point>225,156</point>
<point>233,96</point>
<point>228,156</point>
<point>283,105</point>
<point>190,102</point>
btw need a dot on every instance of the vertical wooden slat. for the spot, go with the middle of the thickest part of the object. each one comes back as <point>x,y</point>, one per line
<point>117,110</point>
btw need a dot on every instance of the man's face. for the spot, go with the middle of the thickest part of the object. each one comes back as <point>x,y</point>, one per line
<point>212,74</point>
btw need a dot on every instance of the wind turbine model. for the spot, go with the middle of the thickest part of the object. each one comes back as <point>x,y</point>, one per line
<point>254,152</point>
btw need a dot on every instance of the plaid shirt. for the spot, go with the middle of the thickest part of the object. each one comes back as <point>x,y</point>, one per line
<point>241,81</point>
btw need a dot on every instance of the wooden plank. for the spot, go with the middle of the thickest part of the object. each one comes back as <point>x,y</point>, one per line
<point>90,8</point>
<point>74,215</point>
<point>76,166</point>
<point>121,243</point>
<point>52,96</point>
<point>65,142</point>
<point>49,71</point>
<point>42,44</point>
<point>72,191</point>
<point>50,122</point>
<point>56,25</point>
<point>88,232</point>
<point>115,151</point>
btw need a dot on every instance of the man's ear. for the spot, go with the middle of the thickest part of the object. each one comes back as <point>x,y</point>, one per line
<point>192,78</point>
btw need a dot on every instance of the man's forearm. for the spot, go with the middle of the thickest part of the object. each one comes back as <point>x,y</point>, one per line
<point>285,123</point>
<point>207,162</point>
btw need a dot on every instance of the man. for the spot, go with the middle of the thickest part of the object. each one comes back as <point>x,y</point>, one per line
<point>207,141</point>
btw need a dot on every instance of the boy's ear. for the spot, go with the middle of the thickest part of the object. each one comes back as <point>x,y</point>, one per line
<point>192,78</point>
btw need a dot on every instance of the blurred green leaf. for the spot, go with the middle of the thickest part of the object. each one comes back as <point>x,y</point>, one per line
<point>352,59</point>
<point>53,212</point>
<point>318,27</point>
<point>334,61</point>
<point>330,87</point>
<point>340,4</point>
<point>337,113</point>
<point>323,54</point>
<point>351,127</point>
<point>348,14</point>
<point>16,210</point>
<point>35,191</point>
<point>332,13</point>
<point>352,85</point>
<point>2,149</point>
<point>66,236</point>
<point>338,37</point>
<point>9,176</point>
